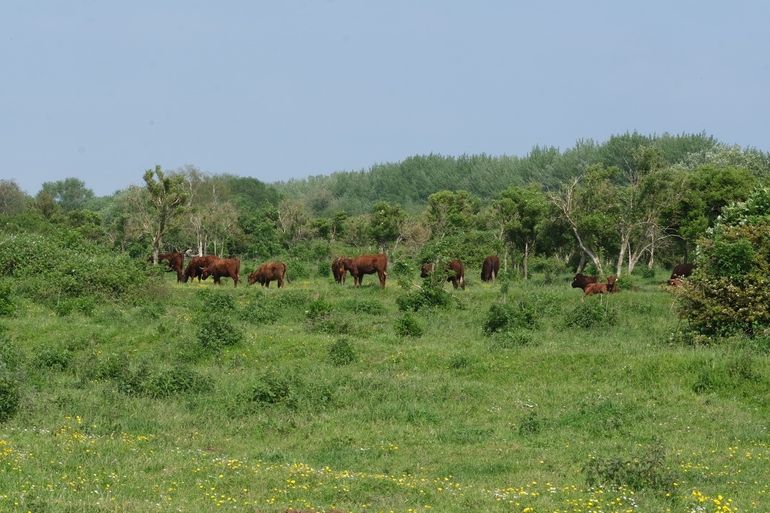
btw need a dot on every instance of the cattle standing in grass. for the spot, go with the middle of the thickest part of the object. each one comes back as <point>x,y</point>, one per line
<point>223,267</point>
<point>367,264</point>
<point>338,270</point>
<point>268,272</point>
<point>490,268</point>
<point>455,272</point>
<point>581,280</point>
<point>196,266</point>
<point>680,271</point>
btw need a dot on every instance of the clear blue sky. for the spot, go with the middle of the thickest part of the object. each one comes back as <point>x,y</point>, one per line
<point>284,89</point>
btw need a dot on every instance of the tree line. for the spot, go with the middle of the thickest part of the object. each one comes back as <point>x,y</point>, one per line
<point>632,200</point>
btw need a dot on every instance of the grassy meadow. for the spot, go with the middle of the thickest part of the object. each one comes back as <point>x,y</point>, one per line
<point>321,397</point>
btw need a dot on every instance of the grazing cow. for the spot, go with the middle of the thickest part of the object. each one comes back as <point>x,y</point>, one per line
<point>175,261</point>
<point>268,272</point>
<point>223,267</point>
<point>600,288</point>
<point>680,271</point>
<point>455,272</point>
<point>490,268</point>
<point>581,280</point>
<point>196,266</point>
<point>367,264</point>
<point>338,270</point>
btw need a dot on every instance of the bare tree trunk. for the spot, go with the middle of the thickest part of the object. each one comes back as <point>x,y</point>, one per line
<point>526,260</point>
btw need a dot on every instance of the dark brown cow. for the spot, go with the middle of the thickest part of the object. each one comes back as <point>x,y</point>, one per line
<point>338,270</point>
<point>268,272</point>
<point>367,264</point>
<point>223,267</point>
<point>581,280</point>
<point>454,269</point>
<point>196,266</point>
<point>680,271</point>
<point>490,268</point>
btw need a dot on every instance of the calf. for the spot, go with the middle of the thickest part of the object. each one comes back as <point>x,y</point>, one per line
<point>196,266</point>
<point>581,280</point>
<point>454,269</point>
<point>338,270</point>
<point>600,288</point>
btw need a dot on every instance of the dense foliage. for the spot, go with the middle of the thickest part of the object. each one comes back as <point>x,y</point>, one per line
<point>730,291</point>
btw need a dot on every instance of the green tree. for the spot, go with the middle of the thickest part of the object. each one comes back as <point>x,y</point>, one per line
<point>12,198</point>
<point>69,194</point>
<point>451,212</point>
<point>730,289</point>
<point>386,224</point>
<point>164,203</point>
<point>522,212</point>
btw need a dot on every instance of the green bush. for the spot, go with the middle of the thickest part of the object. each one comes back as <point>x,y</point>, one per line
<point>178,379</point>
<point>342,353</point>
<point>52,358</point>
<point>648,471</point>
<point>7,306</point>
<point>408,326</point>
<point>504,317</point>
<point>10,398</point>
<point>285,390</point>
<point>362,305</point>
<point>10,356</point>
<point>512,339</point>
<point>730,289</point>
<point>591,314</point>
<point>428,296</point>
<point>261,310</point>
<point>216,320</point>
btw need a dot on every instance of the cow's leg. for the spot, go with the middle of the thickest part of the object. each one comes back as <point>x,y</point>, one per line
<point>382,275</point>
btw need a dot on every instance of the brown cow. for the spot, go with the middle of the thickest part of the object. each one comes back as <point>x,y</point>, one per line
<point>581,280</point>
<point>454,269</point>
<point>338,270</point>
<point>196,266</point>
<point>268,272</point>
<point>680,271</point>
<point>490,268</point>
<point>601,288</point>
<point>223,267</point>
<point>175,261</point>
<point>367,264</point>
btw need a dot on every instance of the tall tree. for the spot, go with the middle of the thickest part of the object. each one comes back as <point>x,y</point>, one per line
<point>523,210</point>
<point>386,224</point>
<point>70,193</point>
<point>166,198</point>
<point>12,198</point>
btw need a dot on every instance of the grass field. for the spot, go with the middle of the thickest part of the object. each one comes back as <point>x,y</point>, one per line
<point>313,398</point>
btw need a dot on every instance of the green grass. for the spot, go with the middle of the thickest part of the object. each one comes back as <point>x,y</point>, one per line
<point>328,406</point>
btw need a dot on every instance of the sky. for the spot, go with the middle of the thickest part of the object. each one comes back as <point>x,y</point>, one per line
<point>103,91</point>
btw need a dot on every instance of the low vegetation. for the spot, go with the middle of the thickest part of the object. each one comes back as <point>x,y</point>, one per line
<point>523,401</point>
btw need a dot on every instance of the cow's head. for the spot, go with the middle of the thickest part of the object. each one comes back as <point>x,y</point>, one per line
<point>426,269</point>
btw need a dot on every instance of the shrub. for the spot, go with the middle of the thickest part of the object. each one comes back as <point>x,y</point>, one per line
<point>647,471</point>
<point>215,319</point>
<point>459,361</point>
<point>358,305</point>
<point>591,314</point>
<point>429,296</point>
<point>730,289</point>
<point>342,353</point>
<point>318,309</point>
<point>510,316</point>
<point>287,390</point>
<point>10,356</point>
<point>408,326</point>
<point>530,424</point>
<point>512,339</point>
<point>179,379</point>
<point>10,398</point>
<point>7,306</point>
<point>551,267</point>
<point>261,310</point>
<point>52,358</point>
<point>217,333</point>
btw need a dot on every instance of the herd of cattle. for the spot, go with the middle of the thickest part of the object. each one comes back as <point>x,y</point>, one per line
<point>202,267</point>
